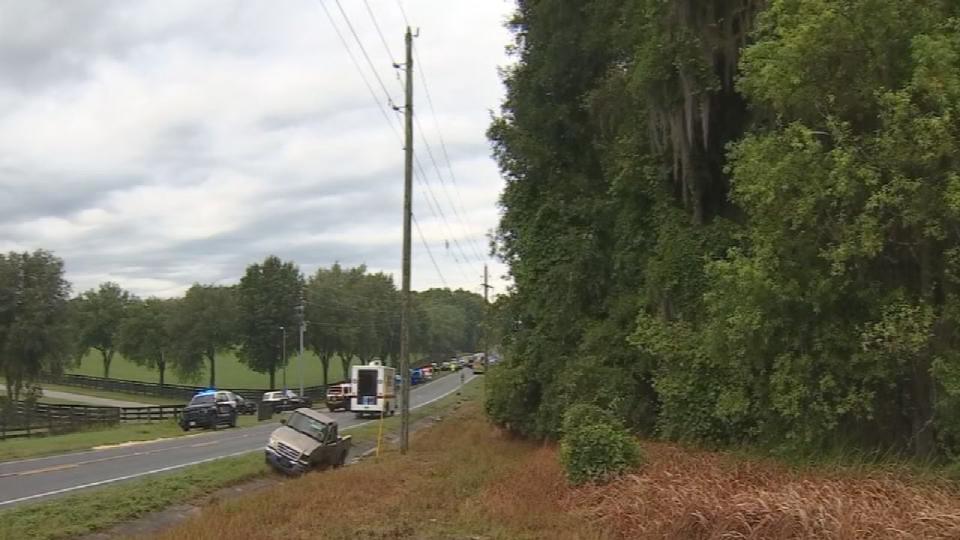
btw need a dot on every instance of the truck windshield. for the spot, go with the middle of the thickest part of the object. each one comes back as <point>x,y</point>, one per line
<point>308,426</point>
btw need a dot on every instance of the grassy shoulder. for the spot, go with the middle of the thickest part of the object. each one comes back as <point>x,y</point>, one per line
<point>464,478</point>
<point>75,515</point>
<point>85,440</point>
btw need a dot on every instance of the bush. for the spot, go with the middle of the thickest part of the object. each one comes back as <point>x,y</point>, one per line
<point>595,447</point>
<point>585,414</point>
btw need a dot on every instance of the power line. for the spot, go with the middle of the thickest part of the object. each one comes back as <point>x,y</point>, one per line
<point>379,32</point>
<point>443,186</point>
<point>430,253</point>
<point>436,122</point>
<point>436,208</point>
<point>404,13</point>
<point>423,176</point>
<point>356,64</point>
<point>364,51</point>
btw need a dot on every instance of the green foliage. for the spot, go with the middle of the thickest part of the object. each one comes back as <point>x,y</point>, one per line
<point>33,318</point>
<point>204,323</point>
<point>594,447</point>
<point>99,313</point>
<point>269,294</point>
<point>774,261</point>
<point>147,335</point>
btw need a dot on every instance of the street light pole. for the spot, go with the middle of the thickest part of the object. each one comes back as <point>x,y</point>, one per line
<point>283,355</point>
<point>303,326</point>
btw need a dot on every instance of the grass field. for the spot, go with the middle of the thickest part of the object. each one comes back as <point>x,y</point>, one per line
<point>137,398</point>
<point>231,373</point>
<point>76,515</point>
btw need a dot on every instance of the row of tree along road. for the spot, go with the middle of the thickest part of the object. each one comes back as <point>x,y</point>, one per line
<point>348,313</point>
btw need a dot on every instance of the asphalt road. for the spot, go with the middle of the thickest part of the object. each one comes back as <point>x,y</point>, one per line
<point>31,480</point>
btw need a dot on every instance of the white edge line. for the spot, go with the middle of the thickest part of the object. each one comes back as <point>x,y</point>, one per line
<point>182,465</point>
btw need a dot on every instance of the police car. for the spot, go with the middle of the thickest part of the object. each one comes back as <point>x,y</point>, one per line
<point>209,409</point>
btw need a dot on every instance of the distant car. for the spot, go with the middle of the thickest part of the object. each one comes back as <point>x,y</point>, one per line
<point>338,397</point>
<point>285,400</point>
<point>206,411</point>
<point>244,405</point>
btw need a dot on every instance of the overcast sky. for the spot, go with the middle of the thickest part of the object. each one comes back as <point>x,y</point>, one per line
<point>158,143</point>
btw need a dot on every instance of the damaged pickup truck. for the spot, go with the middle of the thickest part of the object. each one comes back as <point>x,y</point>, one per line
<point>307,440</point>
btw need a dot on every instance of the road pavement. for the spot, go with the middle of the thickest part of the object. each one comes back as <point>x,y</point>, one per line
<point>35,479</point>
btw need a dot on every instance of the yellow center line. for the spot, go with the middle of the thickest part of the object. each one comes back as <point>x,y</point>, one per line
<point>47,469</point>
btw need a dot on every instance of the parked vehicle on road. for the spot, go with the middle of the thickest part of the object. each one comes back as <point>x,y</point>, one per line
<point>307,440</point>
<point>479,364</point>
<point>373,390</point>
<point>338,397</point>
<point>244,405</point>
<point>285,400</point>
<point>205,411</point>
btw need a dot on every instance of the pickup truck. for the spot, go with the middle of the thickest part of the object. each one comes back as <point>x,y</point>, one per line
<point>306,440</point>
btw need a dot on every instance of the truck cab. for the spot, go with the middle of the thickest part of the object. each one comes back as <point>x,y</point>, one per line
<point>306,440</point>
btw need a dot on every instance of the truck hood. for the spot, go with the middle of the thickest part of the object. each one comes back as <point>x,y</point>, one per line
<point>296,440</point>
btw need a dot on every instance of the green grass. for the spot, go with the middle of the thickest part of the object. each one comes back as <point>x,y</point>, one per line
<point>136,398</point>
<point>76,515</point>
<point>231,373</point>
<point>80,514</point>
<point>85,440</point>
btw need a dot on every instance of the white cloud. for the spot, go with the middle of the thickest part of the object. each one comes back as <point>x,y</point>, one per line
<point>164,142</point>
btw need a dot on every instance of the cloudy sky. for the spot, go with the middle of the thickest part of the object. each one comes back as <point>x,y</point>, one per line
<point>159,143</point>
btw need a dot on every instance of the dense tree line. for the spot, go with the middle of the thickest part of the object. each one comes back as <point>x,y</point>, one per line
<point>734,221</point>
<point>350,314</point>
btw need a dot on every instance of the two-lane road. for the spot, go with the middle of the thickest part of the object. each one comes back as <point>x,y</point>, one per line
<point>34,479</point>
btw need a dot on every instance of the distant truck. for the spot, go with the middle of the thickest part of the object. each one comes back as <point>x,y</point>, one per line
<point>306,440</point>
<point>373,390</point>
<point>479,364</point>
<point>338,396</point>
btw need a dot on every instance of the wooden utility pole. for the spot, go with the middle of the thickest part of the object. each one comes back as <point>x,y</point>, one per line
<point>407,212</point>
<point>486,284</point>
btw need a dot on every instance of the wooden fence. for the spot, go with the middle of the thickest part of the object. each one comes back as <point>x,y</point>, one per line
<point>24,420</point>
<point>173,391</point>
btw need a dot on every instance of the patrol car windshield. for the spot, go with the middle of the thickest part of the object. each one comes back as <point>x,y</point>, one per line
<point>202,399</point>
<point>308,426</point>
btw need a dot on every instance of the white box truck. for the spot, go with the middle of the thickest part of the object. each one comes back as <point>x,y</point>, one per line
<point>373,390</point>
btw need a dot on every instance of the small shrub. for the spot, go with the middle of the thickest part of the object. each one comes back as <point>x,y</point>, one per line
<point>584,414</point>
<point>595,446</point>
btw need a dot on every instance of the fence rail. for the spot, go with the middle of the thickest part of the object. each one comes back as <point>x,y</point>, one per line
<point>39,419</point>
<point>174,391</point>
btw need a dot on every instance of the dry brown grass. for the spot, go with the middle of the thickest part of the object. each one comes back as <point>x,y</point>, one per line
<point>436,491</point>
<point>466,480</point>
<point>684,493</point>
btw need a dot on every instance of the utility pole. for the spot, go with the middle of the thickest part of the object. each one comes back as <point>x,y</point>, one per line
<point>486,302</point>
<point>283,355</point>
<point>303,326</point>
<point>486,284</point>
<point>407,212</point>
